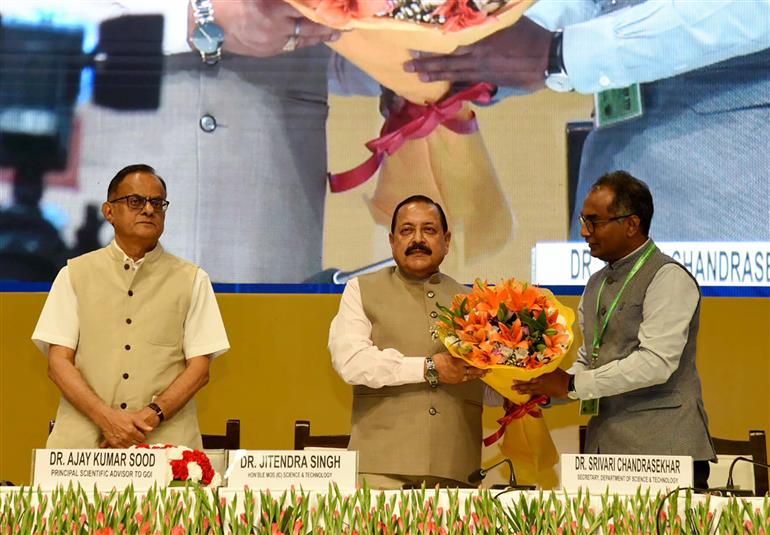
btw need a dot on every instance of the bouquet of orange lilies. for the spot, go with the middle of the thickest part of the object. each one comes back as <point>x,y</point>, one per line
<point>434,139</point>
<point>519,332</point>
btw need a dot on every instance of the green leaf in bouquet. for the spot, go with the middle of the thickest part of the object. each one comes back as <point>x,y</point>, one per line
<point>446,310</point>
<point>464,307</point>
<point>502,313</point>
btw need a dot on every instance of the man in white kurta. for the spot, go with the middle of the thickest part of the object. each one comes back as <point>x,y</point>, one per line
<point>130,330</point>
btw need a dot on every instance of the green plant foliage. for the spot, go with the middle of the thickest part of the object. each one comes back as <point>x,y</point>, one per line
<point>194,510</point>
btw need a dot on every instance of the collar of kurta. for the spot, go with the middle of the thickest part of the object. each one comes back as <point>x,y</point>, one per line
<point>119,255</point>
<point>629,259</point>
<point>436,278</point>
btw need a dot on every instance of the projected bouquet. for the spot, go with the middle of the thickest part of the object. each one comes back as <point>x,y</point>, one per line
<point>519,332</point>
<point>433,140</point>
<point>186,464</point>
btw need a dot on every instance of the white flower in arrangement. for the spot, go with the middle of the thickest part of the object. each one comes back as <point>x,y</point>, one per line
<point>176,453</point>
<point>194,472</point>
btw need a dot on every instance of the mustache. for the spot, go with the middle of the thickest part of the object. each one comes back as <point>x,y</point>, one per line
<point>418,247</point>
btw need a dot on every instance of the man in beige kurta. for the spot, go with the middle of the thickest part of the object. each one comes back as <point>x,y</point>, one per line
<point>130,330</point>
<point>416,409</point>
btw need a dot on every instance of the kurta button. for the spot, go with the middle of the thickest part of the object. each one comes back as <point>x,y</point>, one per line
<point>128,347</point>
<point>433,314</point>
<point>130,293</point>
<point>432,411</point>
<point>126,266</point>
<point>125,376</point>
<point>610,280</point>
<point>431,294</point>
<point>208,123</point>
<point>128,320</point>
<point>123,405</point>
<point>603,311</point>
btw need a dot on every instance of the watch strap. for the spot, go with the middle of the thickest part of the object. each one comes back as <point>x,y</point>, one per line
<point>155,407</point>
<point>431,373</point>
<point>556,77</point>
<point>556,55</point>
<point>203,11</point>
<point>571,392</point>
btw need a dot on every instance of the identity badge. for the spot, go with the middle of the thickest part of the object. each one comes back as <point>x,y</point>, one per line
<point>589,407</point>
<point>618,105</point>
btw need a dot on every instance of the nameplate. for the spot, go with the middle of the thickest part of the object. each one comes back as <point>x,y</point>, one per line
<point>105,468</point>
<point>623,474</point>
<point>282,470</point>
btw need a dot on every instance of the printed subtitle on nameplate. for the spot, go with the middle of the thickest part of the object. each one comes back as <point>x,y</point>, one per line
<point>623,474</point>
<point>282,470</point>
<point>105,468</point>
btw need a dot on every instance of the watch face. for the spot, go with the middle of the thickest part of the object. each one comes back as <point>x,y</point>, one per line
<point>558,82</point>
<point>208,38</point>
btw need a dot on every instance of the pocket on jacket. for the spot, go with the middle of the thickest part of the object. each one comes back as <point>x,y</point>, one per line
<point>651,402</point>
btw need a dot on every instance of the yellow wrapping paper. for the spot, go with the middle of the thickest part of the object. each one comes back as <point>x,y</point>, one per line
<point>380,46</point>
<point>527,440</point>
<point>454,169</point>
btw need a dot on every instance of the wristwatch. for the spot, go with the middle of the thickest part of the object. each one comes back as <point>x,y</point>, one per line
<point>431,373</point>
<point>571,393</point>
<point>556,77</point>
<point>208,36</point>
<point>155,407</point>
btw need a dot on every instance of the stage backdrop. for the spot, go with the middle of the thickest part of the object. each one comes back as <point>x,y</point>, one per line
<point>270,380</point>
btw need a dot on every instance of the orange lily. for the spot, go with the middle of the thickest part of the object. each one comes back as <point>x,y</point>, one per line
<point>340,12</point>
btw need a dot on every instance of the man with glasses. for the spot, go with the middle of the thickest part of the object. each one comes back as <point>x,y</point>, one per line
<point>635,373</point>
<point>130,330</point>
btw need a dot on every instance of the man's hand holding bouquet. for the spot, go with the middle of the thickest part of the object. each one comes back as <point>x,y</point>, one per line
<point>434,138</point>
<point>517,332</point>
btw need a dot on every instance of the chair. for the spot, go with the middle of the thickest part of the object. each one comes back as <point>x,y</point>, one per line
<point>231,440</point>
<point>303,439</point>
<point>755,448</point>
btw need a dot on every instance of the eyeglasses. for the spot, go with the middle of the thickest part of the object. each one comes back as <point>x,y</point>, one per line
<point>591,224</point>
<point>137,202</point>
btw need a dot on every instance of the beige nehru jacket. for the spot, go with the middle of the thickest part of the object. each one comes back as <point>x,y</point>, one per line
<point>413,429</point>
<point>131,340</point>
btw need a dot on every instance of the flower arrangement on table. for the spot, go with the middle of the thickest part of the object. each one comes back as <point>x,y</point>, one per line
<point>378,36</point>
<point>187,465</point>
<point>518,332</point>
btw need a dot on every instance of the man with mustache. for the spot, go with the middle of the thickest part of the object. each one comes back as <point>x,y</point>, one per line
<point>130,330</point>
<point>635,373</point>
<point>416,409</point>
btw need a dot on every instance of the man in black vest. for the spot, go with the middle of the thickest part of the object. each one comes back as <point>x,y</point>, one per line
<point>635,373</point>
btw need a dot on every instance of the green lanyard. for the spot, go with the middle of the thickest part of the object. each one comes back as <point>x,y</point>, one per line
<point>599,333</point>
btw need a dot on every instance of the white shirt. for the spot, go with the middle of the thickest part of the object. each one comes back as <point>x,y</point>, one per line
<point>652,40</point>
<point>204,331</point>
<point>668,308</point>
<point>359,362</point>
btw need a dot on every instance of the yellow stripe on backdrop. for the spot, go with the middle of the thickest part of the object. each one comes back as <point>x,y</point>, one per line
<point>279,371</point>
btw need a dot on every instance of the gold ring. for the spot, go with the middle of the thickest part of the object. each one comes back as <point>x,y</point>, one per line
<point>291,43</point>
